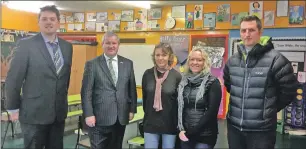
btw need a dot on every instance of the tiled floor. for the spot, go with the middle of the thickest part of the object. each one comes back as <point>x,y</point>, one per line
<point>283,141</point>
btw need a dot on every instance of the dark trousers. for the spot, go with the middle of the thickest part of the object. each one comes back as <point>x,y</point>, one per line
<point>107,137</point>
<point>250,140</point>
<point>48,136</point>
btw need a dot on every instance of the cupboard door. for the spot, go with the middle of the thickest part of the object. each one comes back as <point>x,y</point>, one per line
<point>80,59</point>
<point>81,54</point>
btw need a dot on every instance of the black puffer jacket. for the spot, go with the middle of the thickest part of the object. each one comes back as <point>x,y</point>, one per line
<point>201,120</point>
<point>260,84</point>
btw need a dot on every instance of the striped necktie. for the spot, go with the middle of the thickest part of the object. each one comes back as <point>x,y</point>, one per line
<point>58,63</point>
<point>111,70</point>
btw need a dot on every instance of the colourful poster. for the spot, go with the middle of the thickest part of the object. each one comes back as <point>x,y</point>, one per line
<point>189,20</point>
<point>209,20</point>
<point>8,47</point>
<point>296,15</point>
<point>223,13</point>
<point>256,8</point>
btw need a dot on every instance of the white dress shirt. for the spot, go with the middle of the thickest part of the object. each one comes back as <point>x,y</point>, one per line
<point>114,62</point>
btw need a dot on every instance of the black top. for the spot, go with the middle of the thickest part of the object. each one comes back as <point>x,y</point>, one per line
<point>201,121</point>
<point>164,121</point>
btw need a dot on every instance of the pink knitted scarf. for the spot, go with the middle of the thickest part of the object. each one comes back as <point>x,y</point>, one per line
<point>157,98</point>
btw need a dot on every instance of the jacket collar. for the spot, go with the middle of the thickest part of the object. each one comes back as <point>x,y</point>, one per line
<point>265,44</point>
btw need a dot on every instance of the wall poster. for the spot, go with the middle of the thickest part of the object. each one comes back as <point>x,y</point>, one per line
<point>9,46</point>
<point>180,46</point>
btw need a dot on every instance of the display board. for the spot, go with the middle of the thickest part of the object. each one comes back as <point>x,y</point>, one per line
<point>141,57</point>
<point>9,39</point>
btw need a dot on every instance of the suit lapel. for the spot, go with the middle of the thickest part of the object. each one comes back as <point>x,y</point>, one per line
<point>43,48</point>
<point>120,70</point>
<point>105,68</point>
<point>65,56</point>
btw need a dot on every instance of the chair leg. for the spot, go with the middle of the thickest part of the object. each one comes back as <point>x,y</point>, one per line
<point>7,127</point>
<point>78,137</point>
<point>12,126</point>
<point>4,137</point>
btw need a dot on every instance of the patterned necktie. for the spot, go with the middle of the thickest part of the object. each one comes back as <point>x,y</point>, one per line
<point>56,57</point>
<point>111,69</point>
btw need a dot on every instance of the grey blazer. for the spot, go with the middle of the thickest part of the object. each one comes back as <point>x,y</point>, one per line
<point>104,99</point>
<point>44,93</point>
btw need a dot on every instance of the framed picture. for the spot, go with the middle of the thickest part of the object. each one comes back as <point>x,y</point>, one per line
<point>114,26</point>
<point>296,15</point>
<point>62,18</point>
<point>78,17</point>
<point>209,20</point>
<point>101,17</point>
<point>178,12</point>
<point>269,18</point>
<point>256,8</point>
<point>91,16</point>
<point>282,7</point>
<point>154,14</point>
<point>127,15</point>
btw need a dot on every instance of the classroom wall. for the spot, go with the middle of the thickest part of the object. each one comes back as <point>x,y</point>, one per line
<point>13,19</point>
<point>235,7</point>
<point>18,20</point>
<point>152,37</point>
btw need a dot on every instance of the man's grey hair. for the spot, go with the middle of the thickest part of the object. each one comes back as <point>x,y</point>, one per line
<point>110,34</point>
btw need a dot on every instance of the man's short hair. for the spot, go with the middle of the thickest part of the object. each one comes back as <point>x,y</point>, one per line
<point>51,8</point>
<point>252,18</point>
<point>110,34</point>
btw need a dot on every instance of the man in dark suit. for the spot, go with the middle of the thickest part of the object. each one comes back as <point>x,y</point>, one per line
<point>41,67</point>
<point>109,97</point>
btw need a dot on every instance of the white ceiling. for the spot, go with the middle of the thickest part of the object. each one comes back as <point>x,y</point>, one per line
<point>81,6</point>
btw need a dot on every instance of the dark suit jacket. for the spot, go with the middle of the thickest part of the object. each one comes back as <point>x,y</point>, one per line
<point>102,98</point>
<point>44,93</point>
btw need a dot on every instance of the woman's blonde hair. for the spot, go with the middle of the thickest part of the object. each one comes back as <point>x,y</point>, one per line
<point>165,48</point>
<point>205,56</point>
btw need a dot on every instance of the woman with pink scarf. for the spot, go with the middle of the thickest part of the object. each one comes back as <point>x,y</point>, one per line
<point>159,90</point>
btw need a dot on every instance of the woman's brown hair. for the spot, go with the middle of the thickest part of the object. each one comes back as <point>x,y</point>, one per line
<point>166,47</point>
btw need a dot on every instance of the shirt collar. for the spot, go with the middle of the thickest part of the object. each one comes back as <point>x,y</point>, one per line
<point>47,40</point>
<point>115,58</point>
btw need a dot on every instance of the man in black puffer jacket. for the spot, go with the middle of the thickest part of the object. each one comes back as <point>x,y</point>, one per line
<point>261,82</point>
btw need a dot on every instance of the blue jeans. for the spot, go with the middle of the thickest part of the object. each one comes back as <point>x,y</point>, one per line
<point>152,140</point>
<point>195,145</point>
